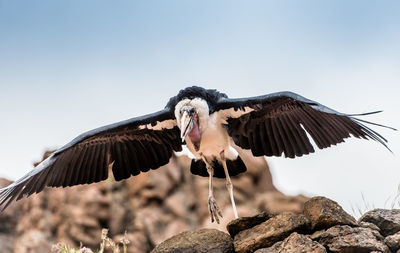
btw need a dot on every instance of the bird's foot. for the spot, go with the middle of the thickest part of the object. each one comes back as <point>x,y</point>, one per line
<point>214,209</point>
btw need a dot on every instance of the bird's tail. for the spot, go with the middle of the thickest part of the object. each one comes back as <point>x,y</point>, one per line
<point>235,167</point>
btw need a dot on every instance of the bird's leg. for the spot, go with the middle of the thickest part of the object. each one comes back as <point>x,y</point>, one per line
<point>212,204</point>
<point>229,184</point>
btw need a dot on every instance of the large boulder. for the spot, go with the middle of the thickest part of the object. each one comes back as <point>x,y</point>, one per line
<point>325,213</point>
<point>270,232</point>
<point>199,241</point>
<point>387,220</point>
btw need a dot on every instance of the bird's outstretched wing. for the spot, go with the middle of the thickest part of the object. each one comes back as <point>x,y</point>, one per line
<point>279,122</point>
<point>132,146</point>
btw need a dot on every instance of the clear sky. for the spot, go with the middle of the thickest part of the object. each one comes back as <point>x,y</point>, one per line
<point>70,66</point>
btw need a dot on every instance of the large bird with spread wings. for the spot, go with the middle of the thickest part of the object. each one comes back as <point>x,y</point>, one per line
<point>209,123</point>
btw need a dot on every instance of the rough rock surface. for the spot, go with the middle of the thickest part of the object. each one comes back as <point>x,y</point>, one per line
<point>393,241</point>
<point>270,232</point>
<point>348,239</point>
<point>242,223</point>
<point>387,220</point>
<point>295,243</point>
<point>369,225</point>
<point>325,213</point>
<point>203,240</point>
<point>151,207</point>
<point>292,233</point>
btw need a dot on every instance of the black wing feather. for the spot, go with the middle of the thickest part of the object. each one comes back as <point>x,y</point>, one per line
<point>277,123</point>
<point>86,158</point>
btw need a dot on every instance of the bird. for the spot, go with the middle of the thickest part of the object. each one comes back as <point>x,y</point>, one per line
<point>211,125</point>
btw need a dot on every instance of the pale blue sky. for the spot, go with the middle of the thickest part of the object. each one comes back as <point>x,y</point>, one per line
<point>70,66</point>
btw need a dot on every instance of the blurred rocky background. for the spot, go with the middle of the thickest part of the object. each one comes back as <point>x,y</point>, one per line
<point>150,207</point>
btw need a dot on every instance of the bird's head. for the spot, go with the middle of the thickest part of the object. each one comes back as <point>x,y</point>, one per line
<point>192,118</point>
<point>188,120</point>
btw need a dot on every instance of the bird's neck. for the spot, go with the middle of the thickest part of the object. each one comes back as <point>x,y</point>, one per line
<point>195,134</point>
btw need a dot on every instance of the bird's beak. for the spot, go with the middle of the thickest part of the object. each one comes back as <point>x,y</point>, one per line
<point>186,125</point>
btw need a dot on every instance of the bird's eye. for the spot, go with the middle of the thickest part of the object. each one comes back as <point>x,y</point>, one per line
<point>192,110</point>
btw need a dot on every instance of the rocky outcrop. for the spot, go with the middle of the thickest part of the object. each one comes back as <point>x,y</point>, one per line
<point>151,207</point>
<point>323,227</point>
<point>203,240</point>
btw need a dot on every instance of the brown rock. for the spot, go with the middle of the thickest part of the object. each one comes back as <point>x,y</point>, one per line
<point>325,213</point>
<point>203,240</point>
<point>295,243</point>
<point>387,220</point>
<point>242,223</point>
<point>393,241</point>
<point>270,232</point>
<point>346,239</point>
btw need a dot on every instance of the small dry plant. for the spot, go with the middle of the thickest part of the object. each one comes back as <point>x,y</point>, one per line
<point>106,242</point>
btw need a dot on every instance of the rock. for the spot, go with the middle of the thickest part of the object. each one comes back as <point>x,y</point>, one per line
<point>369,225</point>
<point>270,232</point>
<point>387,220</point>
<point>203,240</point>
<point>346,239</point>
<point>393,241</point>
<point>242,223</point>
<point>325,213</point>
<point>295,243</point>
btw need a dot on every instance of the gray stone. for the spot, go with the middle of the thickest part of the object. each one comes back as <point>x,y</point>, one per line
<point>269,232</point>
<point>369,225</point>
<point>387,220</point>
<point>325,213</point>
<point>346,239</point>
<point>199,241</point>
<point>295,243</point>
<point>242,223</point>
<point>393,241</point>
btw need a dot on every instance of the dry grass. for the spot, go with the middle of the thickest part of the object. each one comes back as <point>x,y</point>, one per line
<point>106,242</point>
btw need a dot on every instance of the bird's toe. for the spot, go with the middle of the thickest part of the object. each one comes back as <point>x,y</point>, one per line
<point>215,212</point>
